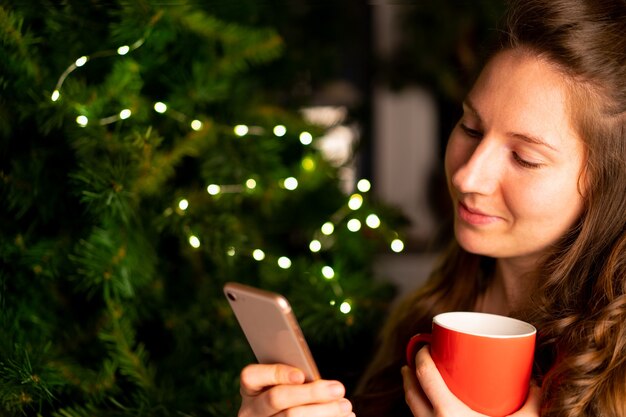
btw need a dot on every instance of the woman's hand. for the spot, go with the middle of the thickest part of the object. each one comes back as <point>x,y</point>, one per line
<point>427,395</point>
<point>280,390</point>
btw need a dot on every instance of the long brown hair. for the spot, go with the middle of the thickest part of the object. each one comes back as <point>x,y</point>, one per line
<point>580,305</point>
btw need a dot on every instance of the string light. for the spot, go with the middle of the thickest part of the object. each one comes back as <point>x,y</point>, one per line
<point>345,307</point>
<point>194,241</point>
<point>241,130</point>
<point>160,107</point>
<point>354,225</point>
<point>373,221</point>
<point>328,272</point>
<point>213,189</point>
<point>125,114</point>
<point>290,183</point>
<point>315,245</point>
<point>82,120</point>
<point>122,50</point>
<point>355,202</point>
<point>284,262</point>
<point>81,61</point>
<point>251,183</point>
<point>280,130</point>
<point>308,164</point>
<point>397,245</point>
<point>306,138</point>
<point>363,185</point>
<point>196,124</point>
<point>328,228</point>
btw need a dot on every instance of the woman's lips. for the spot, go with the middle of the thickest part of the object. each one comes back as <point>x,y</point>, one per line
<point>473,216</point>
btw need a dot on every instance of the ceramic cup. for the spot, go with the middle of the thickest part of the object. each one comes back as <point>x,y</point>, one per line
<point>485,359</point>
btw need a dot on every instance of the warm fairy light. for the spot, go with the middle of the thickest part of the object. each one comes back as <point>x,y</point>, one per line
<point>328,228</point>
<point>125,114</point>
<point>355,202</point>
<point>194,242</point>
<point>372,221</point>
<point>213,189</point>
<point>306,138</point>
<point>81,61</point>
<point>82,120</point>
<point>290,183</point>
<point>251,183</point>
<point>328,272</point>
<point>354,225</point>
<point>345,307</point>
<point>308,164</point>
<point>315,245</point>
<point>258,254</point>
<point>397,245</point>
<point>231,251</point>
<point>280,130</point>
<point>332,302</point>
<point>123,50</point>
<point>363,185</point>
<point>160,107</point>
<point>241,130</point>
<point>196,125</point>
<point>183,204</point>
<point>55,95</point>
<point>284,262</point>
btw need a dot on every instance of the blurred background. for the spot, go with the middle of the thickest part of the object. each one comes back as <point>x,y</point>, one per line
<point>152,151</point>
<point>399,69</point>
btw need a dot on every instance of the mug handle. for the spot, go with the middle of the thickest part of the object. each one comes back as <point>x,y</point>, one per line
<point>415,343</point>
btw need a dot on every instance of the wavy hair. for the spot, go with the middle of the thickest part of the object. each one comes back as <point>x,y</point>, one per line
<point>579,306</point>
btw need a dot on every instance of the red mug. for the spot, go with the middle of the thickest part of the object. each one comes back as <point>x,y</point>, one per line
<point>485,359</point>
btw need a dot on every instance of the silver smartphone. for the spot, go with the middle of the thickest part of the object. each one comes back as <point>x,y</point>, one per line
<point>271,328</point>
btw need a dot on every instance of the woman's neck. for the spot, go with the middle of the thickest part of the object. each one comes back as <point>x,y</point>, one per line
<point>509,289</point>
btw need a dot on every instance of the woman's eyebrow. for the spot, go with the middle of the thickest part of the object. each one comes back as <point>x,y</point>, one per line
<point>526,137</point>
<point>532,139</point>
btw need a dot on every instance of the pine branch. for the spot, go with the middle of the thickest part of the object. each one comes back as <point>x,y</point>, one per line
<point>131,357</point>
<point>15,39</point>
<point>242,45</point>
<point>25,384</point>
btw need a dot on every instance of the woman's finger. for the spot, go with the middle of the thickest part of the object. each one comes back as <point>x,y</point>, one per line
<point>414,395</point>
<point>432,382</point>
<point>341,408</point>
<point>254,379</point>
<point>287,396</point>
<point>443,401</point>
<point>271,389</point>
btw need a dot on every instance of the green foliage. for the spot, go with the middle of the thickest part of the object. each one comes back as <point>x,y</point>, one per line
<point>105,307</point>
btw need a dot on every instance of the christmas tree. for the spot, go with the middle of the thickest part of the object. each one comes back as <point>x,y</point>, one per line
<point>144,163</point>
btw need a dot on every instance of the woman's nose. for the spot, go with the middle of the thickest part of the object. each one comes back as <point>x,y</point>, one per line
<point>480,172</point>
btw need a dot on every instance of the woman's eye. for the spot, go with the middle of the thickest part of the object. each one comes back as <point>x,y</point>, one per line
<point>524,163</point>
<point>472,133</point>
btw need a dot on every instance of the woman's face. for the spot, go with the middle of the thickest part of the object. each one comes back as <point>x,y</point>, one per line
<point>514,160</point>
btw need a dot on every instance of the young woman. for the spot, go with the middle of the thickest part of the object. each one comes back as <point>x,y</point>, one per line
<point>536,170</point>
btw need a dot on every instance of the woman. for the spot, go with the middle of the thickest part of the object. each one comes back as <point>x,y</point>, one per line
<point>536,170</point>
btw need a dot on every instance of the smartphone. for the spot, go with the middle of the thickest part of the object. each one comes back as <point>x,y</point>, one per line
<point>271,328</point>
